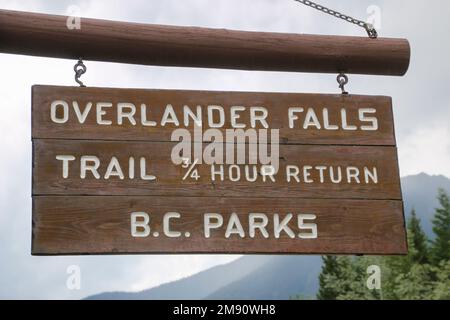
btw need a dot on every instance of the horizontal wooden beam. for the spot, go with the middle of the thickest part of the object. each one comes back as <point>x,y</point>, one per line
<point>100,40</point>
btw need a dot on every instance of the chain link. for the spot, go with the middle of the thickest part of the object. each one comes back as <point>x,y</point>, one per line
<point>79,69</point>
<point>342,80</point>
<point>367,26</point>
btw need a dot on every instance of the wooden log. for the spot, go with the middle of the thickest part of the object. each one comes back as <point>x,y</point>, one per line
<point>100,40</point>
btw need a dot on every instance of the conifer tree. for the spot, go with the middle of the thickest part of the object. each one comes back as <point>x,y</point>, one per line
<point>423,274</point>
<point>442,284</point>
<point>399,268</point>
<point>440,246</point>
<point>418,240</point>
<point>355,279</point>
<point>328,276</point>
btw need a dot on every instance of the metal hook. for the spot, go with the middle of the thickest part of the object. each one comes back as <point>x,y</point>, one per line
<point>371,31</point>
<point>342,80</point>
<point>79,69</point>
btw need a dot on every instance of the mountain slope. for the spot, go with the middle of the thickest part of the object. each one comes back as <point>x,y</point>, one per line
<point>420,192</point>
<point>194,287</point>
<point>280,277</point>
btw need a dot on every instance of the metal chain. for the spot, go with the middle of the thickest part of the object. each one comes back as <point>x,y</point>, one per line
<point>79,69</point>
<point>367,26</point>
<point>342,80</point>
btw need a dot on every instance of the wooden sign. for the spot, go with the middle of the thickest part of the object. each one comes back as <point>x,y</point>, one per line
<point>109,178</point>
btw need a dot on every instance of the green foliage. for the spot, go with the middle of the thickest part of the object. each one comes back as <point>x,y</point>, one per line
<point>442,289</point>
<point>440,246</point>
<point>417,284</point>
<point>330,272</point>
<point>417,240</point>
<point>355,278</point>
<point>302,297</point>
<point>424,274</point>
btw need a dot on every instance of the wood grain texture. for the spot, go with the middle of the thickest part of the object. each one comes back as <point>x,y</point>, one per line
<point>101,225</point>
<point>100,40</point>
<point>77,216</point>
<point>48,180</point>
<point>277,105</point>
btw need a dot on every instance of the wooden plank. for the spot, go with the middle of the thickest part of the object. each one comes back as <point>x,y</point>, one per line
<point>102,225</point>
<point>48,172</point>
<point>345,179</point>
<point>327,108</point>
<point>48,35</point>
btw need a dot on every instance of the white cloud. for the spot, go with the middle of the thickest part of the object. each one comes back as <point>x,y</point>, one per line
<point>426,150</point>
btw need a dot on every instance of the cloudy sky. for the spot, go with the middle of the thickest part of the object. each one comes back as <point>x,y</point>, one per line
<point>421,106</point>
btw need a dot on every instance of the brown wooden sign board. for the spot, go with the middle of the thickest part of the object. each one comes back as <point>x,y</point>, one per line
<point>104,181</point>
<point>149,122</point>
